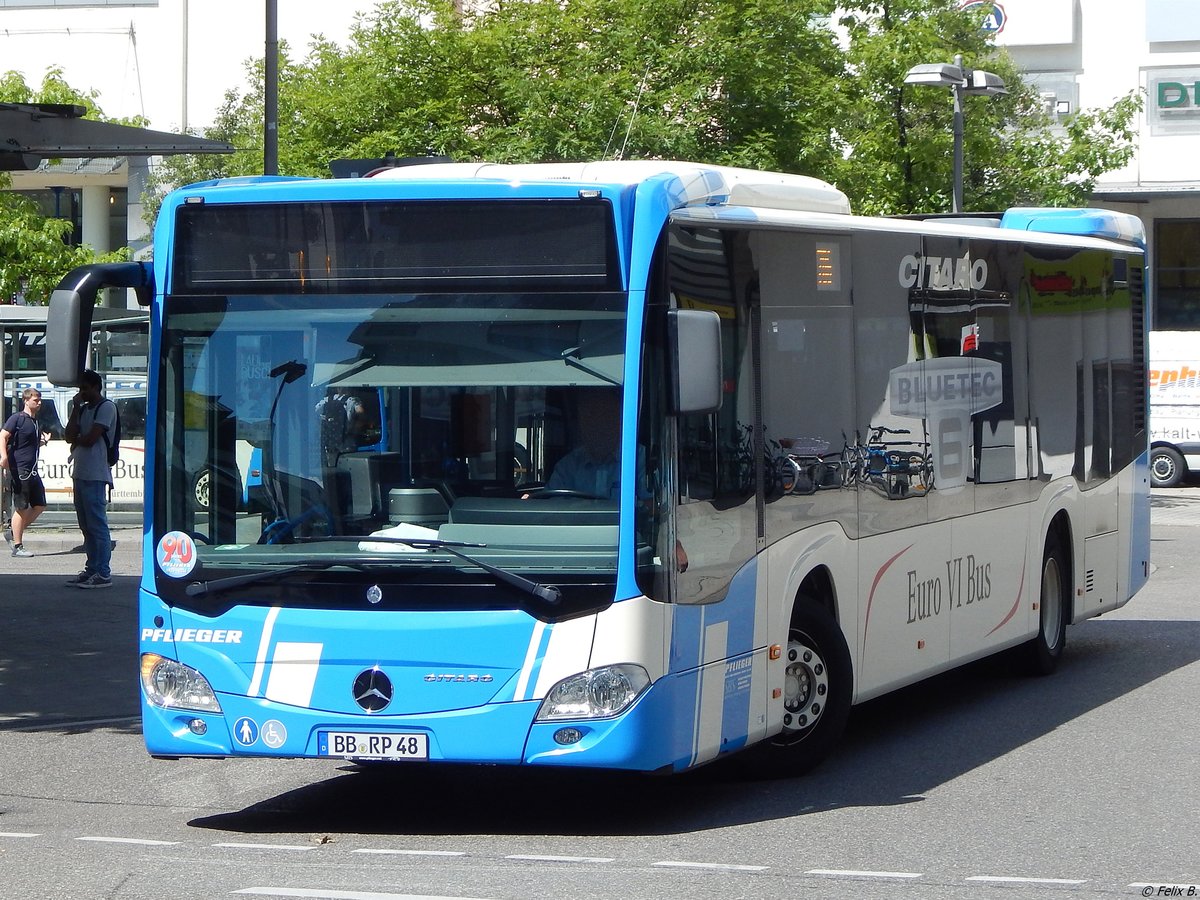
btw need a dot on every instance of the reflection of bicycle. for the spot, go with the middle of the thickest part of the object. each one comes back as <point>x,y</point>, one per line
<point>737,464</point>
<point>807,466</point>
<point>898,467</point>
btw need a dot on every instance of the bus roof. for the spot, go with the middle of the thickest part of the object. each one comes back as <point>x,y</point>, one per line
<point>698,184</point>
<point>1101,223</point>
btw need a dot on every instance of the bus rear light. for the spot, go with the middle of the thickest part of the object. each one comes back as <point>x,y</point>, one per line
<point>595,694</point>
<point>172,685</point>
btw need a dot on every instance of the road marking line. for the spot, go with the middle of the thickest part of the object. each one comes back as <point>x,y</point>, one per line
<point>410,852</point>
<point>339,895</point>
<point>18,834</point>
<point>568,859</point>
<point>264,846</point>
<point>722,867</point>
<point>857,873</point>
<point>77,723</point>
<point>120,840</point>
<point>1013,879</point>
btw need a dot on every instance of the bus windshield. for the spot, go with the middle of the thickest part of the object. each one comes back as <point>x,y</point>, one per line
<point>299,428</point>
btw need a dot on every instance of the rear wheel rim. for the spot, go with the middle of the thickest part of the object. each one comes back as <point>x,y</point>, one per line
<point>1051,603</point>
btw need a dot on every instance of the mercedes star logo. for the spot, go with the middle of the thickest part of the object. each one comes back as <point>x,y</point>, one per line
<point>372,690</point>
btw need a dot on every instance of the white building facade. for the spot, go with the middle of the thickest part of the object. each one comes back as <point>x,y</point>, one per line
<point>1086,54</point>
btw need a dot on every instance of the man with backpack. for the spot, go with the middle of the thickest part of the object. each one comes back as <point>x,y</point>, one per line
<point>90,431</point>
<point>20,440</point>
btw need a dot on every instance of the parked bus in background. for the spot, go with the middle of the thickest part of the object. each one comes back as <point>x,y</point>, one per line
<point>1174,407</point>
<point>117,348</point>
<point>972,394</point>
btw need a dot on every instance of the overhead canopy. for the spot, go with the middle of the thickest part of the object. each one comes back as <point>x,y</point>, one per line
<point>31,132</point>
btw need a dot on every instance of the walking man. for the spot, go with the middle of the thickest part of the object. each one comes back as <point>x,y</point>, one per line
<point>89,429</point>
<point>20,441</point>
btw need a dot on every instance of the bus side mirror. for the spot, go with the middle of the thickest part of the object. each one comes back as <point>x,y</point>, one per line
<point>695,348</point>
<point>69,321</point>
<point>68,332</point>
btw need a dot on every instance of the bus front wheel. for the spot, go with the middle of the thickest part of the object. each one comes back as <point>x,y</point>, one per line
<point>816,694</point>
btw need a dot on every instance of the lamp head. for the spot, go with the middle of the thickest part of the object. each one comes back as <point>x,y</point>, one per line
<point>987,83</point>
<point>936,74</point>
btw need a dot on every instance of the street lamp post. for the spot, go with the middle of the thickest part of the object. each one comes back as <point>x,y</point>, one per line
<point>961,81</point>
<point>271,91</point>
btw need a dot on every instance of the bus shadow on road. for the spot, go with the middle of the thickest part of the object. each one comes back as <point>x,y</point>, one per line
<point>896,749</point>
<point>68,658</point>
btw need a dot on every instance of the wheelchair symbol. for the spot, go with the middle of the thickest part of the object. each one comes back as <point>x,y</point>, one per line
<point>273,733</point>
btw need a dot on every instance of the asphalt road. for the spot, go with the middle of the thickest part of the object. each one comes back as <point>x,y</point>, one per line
<point>974,784</point>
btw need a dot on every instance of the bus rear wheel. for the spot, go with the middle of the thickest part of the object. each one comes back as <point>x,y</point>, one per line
<point>816,694</point>
<point>1045,650</point>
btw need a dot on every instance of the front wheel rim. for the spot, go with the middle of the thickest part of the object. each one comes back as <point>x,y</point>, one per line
<point>1051,603</point>
<point>805,687</point>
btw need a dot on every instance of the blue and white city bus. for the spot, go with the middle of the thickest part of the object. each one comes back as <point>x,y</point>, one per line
<point>840,454</point>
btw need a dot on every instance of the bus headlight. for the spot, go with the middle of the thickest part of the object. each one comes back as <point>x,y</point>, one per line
<point>595,694</point>
<point>172,685</point>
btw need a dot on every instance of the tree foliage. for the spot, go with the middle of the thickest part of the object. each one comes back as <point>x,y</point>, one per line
<point>900,137</point>
<point>33,253</point>
<point>808,86</point>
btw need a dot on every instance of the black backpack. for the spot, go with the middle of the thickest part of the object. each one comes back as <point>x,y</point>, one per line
<point>114,443</point>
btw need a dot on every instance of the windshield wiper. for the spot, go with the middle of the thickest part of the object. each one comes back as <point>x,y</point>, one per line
<point>570,357</point>
<point>547,592</point>
<point>201,588</point>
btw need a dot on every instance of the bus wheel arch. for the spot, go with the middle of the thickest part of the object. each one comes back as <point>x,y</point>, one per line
<point>1167,466</point>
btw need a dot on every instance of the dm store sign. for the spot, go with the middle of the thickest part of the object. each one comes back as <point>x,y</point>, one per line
<point>1174,101</point>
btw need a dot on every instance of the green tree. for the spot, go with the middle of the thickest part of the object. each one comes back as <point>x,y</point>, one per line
<point>759,83</point>
<point>899,137</point>
<point>33,253</point>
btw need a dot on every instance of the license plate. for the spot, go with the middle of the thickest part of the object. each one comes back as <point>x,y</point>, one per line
<point>373,745</point>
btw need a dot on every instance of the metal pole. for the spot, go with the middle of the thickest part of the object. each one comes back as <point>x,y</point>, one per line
<point>957,201</point>
<point>271,93</point>
<point>183,125</point>
<point>5,518</point>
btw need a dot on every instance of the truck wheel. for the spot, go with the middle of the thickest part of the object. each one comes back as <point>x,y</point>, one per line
<point>1166,467</point>
<point>202,490</point>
